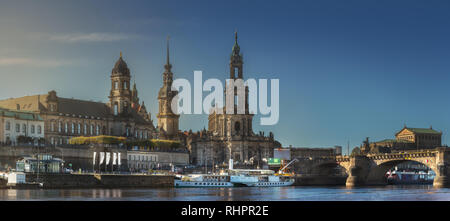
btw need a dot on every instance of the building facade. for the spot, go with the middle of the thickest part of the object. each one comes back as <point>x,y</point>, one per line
<point>65,118</point>
<point>153,160</point>
<point>406,139</point>
<point>230,136</point>
<point>15,124</point>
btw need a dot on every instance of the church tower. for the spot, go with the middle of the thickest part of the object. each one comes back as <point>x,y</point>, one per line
<point>233,125</point>
<point>167,120</point>
<point>120,95</point>
<point>134,97</point>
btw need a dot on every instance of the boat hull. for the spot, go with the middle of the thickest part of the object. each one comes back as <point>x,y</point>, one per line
<point>266,184</point>
<point>180,183</point>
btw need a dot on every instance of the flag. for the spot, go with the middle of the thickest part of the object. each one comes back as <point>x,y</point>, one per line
<point>108,156</point>
<point>114,158</point>
<point>93,158</point>
<point>118,159</point>
<point>102,156</point>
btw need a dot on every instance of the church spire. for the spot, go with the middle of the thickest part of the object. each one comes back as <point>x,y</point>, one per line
<point>236,48</point>
<point>168,66</point>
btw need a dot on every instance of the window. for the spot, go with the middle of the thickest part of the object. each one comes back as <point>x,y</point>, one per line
<point>73,128</point>
<point>92,129</point>
<point>24,128</point>
<point>66,127</point>
<point>79,128</point>
<point>97,131</point>
<point>125,85</point>
<point>8,125</point>
<point>116,85</point>
<point>116,109</point>
<point>85,128</point>
<point>18,106</point>
<point>59,127</point>
<point>39,129</point>
<point>32,129</point>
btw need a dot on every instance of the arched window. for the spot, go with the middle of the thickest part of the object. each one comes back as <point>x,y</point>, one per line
<point>116,85</point>
<point>92,129</point>
<point>97,130</point>
<point>237,127</point>
<point>39,129</point>
<point>66,127</point>
<point>125,85</point>
<point>79,128</point>
<point>116,109</point>
<point>73,128</point>
<point>85,129</point>
<point>32,129</point>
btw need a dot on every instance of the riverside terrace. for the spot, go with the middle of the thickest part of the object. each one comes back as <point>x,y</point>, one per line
<point>152,154</point>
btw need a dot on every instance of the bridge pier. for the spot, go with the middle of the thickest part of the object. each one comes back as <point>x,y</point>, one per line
<point>442,170</point>
<point>357,171</point>
<point>442,178</point>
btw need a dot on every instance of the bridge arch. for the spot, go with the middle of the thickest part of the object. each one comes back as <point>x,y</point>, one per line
<point>328,168</point>
<point>377,173</point>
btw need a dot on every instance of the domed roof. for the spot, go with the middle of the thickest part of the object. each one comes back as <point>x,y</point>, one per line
<point>121,67</point>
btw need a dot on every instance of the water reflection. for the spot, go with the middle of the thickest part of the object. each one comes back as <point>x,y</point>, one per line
<point>419,192</point>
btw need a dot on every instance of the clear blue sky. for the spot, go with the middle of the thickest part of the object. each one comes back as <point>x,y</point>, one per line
<point>347,69</point>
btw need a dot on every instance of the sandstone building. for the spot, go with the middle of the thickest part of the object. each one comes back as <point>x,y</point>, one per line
<point>230,136</point>
<point>14,124</point>
<point>65,118</point>
<point>407,138</point>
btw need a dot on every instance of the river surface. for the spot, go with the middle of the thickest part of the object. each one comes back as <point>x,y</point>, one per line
<point>385,193</point>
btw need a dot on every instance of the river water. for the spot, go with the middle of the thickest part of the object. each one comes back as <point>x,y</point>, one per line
<point>385,193</point>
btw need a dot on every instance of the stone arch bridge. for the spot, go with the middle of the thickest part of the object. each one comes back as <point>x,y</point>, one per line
<point>370,169</point>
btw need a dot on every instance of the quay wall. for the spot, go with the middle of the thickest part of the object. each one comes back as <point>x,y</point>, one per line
<point>101,180</point>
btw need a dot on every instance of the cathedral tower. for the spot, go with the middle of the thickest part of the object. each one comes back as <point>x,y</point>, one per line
<point>167,120</point>
<point>233,125</point>
<point>120,95</point>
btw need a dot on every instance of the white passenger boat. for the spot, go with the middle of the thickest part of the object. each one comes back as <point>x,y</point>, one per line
<point>259,178</point>
<point>237,177</point>
<point>203,180</point>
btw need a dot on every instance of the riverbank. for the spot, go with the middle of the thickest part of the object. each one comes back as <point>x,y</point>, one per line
<point>56,181</point>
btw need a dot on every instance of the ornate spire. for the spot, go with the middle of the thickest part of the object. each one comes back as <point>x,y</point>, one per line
<point>168,66</point>
<point>236,48</point>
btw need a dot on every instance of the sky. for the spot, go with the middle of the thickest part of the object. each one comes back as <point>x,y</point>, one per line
<point>347,69</point>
